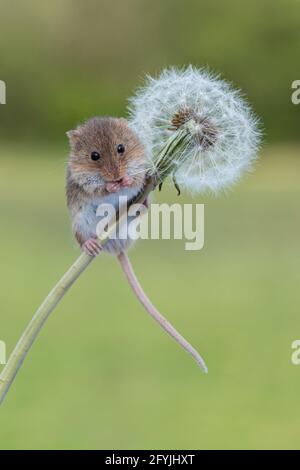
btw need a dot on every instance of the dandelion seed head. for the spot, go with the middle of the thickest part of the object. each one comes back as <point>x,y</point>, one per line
<point>224,137</point>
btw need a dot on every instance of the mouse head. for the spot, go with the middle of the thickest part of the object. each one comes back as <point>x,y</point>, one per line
<point>105,152</point>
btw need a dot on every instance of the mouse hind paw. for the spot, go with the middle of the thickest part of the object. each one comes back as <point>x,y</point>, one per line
<point>92,247</point>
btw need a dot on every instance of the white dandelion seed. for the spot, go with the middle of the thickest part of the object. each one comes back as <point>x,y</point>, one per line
<point>196,128</point>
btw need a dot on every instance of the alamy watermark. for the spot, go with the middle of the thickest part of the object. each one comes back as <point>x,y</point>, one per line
<point>295,97</point>
<point>2,353</point>
<point>295,357</point>
<point>160,221</point>
<point>2,92</point>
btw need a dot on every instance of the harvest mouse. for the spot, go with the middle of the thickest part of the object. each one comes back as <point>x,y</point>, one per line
<point>107,160</point>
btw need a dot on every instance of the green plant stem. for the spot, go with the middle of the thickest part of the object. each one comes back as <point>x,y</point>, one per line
<point>32,330</point>
<point>23,346</point>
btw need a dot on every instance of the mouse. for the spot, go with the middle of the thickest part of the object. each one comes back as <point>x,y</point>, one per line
<point>106,160</point>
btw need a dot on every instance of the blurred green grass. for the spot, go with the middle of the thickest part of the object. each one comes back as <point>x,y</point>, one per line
<point>102,374</point>
<point>68,60</point>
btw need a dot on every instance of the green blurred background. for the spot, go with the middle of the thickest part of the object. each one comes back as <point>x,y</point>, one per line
<point>102,374</point>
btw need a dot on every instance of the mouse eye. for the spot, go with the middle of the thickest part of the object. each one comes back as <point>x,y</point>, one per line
<point>121,148</point>
<point>95,156</point>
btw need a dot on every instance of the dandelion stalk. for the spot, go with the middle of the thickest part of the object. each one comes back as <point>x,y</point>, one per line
<point>23,346</point>
<point>18,355</point>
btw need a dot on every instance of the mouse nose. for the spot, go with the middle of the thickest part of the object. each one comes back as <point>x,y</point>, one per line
<point>124,181</point>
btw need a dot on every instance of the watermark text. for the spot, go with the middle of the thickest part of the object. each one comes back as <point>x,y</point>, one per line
<point>295,97</point>
<point>295,357</point>
<point>160,221</point>
<point>2,92</point>
<point>2,353</point>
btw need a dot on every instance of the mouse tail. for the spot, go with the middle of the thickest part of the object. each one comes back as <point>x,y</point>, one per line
<point>149,307</point>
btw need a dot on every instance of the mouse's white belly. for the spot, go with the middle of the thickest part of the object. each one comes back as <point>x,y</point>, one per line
<point>87,220</point>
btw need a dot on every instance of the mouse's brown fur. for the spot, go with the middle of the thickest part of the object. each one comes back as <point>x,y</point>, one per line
<point>103,135</point>
<point>91,182</point>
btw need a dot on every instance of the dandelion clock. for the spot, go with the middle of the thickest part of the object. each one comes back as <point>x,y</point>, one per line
<point>196,128</point>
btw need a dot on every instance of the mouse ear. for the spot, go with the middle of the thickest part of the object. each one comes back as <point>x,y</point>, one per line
<point>73,136</point>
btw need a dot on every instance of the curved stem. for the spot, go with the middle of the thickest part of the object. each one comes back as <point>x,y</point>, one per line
<point>142,297</point>
<point>25,342</point>
<point>18,355</point>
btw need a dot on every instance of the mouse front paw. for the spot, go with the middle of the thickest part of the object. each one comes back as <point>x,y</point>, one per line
<point>92,247</point>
